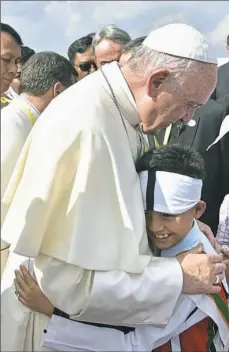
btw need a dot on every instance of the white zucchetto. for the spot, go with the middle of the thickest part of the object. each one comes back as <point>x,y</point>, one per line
<point>182,40</point>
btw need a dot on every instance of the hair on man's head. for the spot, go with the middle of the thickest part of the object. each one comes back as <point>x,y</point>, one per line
<point>8,29</point>
<point>43,70</point>
<point>80,46</point>
<point>111,32</point>
<point>173,158</point>
<point>135,43</point>
<point>26,53</point>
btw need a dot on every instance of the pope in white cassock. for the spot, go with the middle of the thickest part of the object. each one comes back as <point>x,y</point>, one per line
<point>75,200</point>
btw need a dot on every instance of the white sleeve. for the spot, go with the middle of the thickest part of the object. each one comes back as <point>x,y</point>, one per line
<point>120,298</point>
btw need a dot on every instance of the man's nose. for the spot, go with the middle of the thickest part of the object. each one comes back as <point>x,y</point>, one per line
<point>188,116</point>
<point>13,67</point>
<point>93,69</point>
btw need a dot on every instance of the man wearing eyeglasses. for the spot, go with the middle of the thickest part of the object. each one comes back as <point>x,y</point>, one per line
<point>199,133</point>
<point>81,56</point>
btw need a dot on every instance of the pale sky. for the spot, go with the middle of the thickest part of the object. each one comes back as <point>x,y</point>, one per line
<point>54,25</point>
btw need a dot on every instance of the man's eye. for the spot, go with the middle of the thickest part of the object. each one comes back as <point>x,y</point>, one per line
<point>192,107</point>
<point>17,61</point>
<point>189,107</point>
<point>6,59</point>
<point>168,215</point>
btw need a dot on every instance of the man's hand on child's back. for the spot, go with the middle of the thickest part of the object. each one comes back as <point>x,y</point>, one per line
<point>201,272</point>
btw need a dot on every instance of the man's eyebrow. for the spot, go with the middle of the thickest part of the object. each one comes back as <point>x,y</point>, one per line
<point>191,102</point>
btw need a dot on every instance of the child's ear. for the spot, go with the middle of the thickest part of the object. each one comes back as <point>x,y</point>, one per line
<point>200,209</point>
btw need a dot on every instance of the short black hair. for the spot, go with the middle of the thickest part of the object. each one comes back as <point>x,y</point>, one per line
<point>8,29</point>
<point>173,158</point>
<point>43,70</point>
<point>80,46</point>
<point>135,43</point>
<point>228,40</point>
<point>26,53</point>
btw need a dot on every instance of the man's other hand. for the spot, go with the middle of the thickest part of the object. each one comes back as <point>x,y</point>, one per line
<point>201,272</point>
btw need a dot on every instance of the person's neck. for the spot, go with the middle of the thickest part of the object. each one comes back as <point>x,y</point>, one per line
<point>38,102</point>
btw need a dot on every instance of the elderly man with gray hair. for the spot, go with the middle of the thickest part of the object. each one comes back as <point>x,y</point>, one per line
<point>75,199</point>
<point>108,43</point>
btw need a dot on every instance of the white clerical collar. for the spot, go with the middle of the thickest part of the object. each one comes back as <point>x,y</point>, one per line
<point>122,93</point>
<point>35,112</point>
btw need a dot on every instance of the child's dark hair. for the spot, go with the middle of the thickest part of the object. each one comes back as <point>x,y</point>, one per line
<point>173,158</point>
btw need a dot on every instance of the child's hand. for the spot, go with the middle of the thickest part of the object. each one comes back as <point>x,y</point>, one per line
<point>30,294</point>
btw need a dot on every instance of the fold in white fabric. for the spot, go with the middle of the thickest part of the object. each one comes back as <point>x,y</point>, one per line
<point>173,193</point>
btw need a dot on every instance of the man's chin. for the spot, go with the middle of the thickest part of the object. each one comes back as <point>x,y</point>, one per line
<point>154,128</point>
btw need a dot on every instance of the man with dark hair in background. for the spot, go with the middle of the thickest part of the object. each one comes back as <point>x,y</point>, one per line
<point>26,53</point>
<point>13,90</point>
<point>44,76</point>
<point>10,54</point>
<point>81,56</point>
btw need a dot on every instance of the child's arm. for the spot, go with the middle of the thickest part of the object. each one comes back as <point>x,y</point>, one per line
<point>30,294</point>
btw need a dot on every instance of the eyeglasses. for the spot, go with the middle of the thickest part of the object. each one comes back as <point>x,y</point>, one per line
<point>85,66</point>
<point>191,106</point>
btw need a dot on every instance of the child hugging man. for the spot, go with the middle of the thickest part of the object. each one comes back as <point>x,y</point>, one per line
<point>171,181</point>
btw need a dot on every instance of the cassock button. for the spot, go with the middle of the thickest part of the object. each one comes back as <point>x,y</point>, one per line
<point>192,123</point>
<point>45,331</point>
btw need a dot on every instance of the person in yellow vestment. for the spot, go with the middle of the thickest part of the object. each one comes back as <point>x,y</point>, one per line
<point>75,200</point>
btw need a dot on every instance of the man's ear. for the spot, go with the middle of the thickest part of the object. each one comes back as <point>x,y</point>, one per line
<point>199,209</point>
<point>155,80</point>
<point>57,89</point>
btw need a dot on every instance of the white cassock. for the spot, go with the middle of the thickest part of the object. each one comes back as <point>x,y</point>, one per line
<point>17,120</point>
<point>77,210</point>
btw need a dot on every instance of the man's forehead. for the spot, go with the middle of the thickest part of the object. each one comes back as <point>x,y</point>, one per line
<point>108,46</point>
<point>9,45</point>
<point>7,39</point>
<point>87,55</point>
